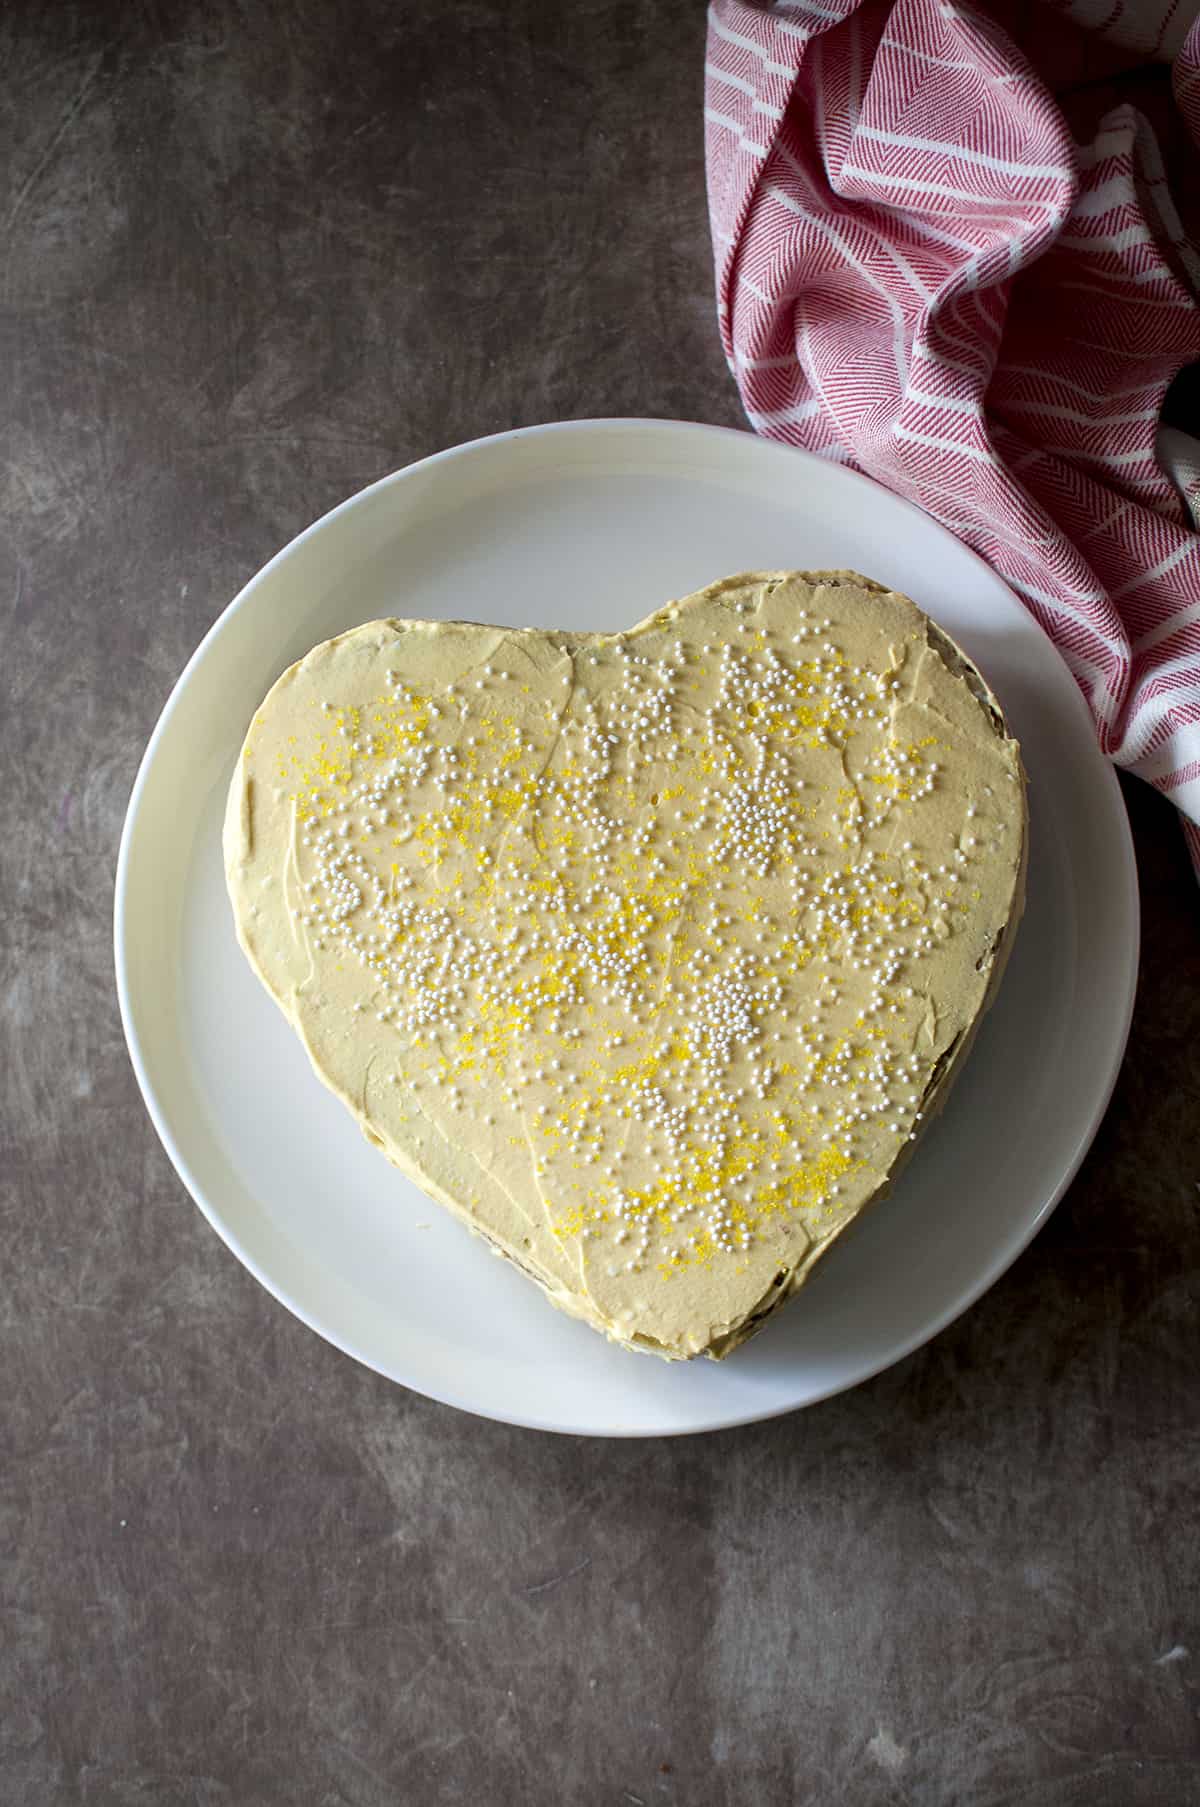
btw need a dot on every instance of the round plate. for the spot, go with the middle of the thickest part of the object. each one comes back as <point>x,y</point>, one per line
<point>591,525</point>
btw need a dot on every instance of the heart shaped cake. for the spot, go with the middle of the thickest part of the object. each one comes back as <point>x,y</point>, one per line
<point>646,954</point>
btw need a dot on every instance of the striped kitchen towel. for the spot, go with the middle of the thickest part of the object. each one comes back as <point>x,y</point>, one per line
<point>920,274</point>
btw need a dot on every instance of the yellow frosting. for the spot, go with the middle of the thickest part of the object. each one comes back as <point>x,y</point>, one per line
<point>647,954</point>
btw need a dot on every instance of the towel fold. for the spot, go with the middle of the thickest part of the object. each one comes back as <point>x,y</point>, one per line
<point>920,274</point>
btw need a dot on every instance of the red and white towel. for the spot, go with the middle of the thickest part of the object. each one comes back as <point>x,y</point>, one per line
<point>922,275</point>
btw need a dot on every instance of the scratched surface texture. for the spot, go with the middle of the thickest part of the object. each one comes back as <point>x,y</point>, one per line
<point>252,257</point>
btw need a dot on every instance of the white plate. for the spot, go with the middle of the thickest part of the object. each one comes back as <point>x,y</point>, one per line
<point>590,525</point>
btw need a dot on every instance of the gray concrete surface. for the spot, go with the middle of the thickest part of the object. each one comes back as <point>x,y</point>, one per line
<point>253,256</point>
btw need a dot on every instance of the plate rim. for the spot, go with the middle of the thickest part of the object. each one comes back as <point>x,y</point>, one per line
<point>1129,906</point>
